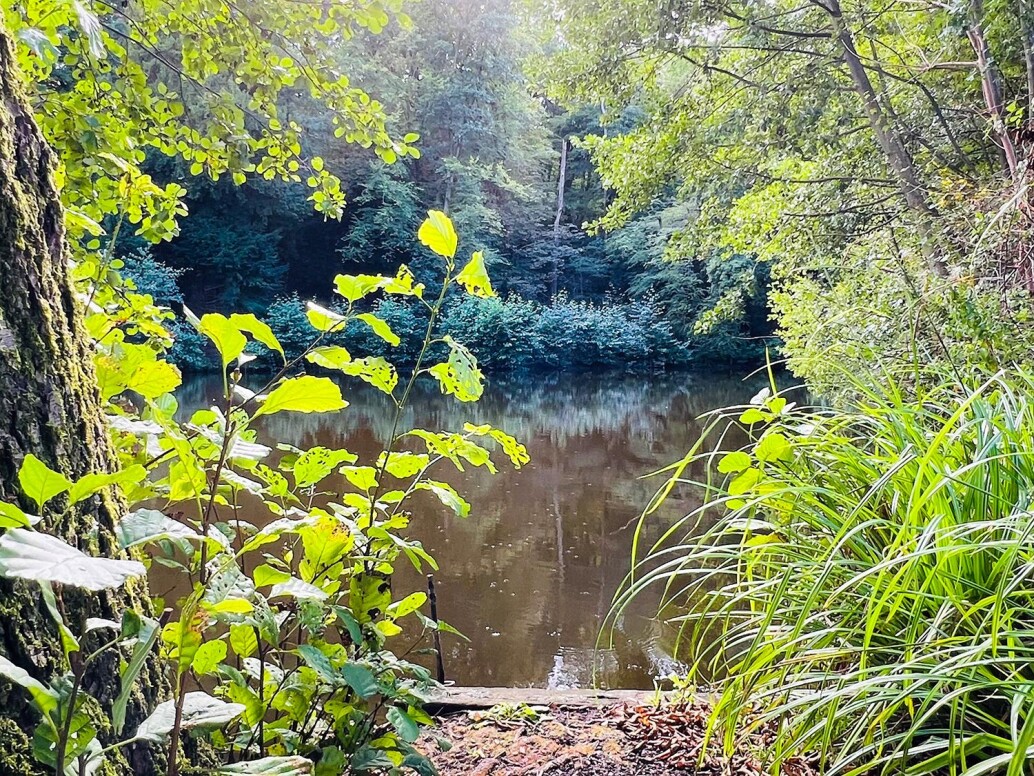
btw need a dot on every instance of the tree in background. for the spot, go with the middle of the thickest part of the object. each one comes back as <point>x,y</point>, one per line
<point>873,154</point>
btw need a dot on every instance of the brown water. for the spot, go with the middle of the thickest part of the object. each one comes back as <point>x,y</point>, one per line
<point>529,577</point>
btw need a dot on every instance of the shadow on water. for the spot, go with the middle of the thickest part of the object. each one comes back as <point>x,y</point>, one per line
<point>530,575</point>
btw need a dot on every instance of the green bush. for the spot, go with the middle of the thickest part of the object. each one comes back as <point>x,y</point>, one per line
<point>872,571</point>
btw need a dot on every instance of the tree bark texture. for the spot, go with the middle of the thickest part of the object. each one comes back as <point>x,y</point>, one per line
<point>49,406</point>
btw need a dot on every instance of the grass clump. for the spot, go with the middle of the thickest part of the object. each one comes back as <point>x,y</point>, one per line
<point>872,573</point>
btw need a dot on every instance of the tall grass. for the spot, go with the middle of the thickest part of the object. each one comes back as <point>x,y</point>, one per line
<point>872,571</point>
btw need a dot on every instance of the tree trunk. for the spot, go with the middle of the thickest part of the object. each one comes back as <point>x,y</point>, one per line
<point>49,406</point>
<point>560,189</point>
<point>990,87</point>
<point>890,142</point>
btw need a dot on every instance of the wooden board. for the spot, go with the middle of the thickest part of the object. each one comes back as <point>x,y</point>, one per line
<point>451,699</point>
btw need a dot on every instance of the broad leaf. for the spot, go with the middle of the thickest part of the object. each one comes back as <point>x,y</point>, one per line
<point>380,328</point>
<point>404,724</point>
<point>39,482</point>
<point>148,525</point>
<point>438,234</point>
<point>86,486</point>
<point>42,558</point>
<point>44,697</point>
<point>355,287</point>
<point>199,710</point>
<point>361,679</point>
<point>474,277</point>
<point>316,464</point>
<point>460,375</point>
<point>323,319</point>
<point>403,464</point>
<point>226,337</point>
<point>447,495</point>
<point>13,517</point>
<point>329,356</point>
<point>303,394</point>
<point>270,766</point>
<point>259,331</point>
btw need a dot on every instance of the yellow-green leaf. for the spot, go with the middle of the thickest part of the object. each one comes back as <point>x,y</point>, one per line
<point>259,330</point>
<point>39,482</point>
<point>303,394</point>
<point>474,277</point>
<point>322,319</point>
<point>380,328</point>
<point>224,335</point>
<point>438,234</point>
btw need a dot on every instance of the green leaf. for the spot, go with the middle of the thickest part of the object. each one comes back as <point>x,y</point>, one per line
<point>407,605</point>
<point>303,394</point>
<point>438,234</point>
<point>361,679</point>
<point>44,697</point>
<point>270,766</point>
<point>322,319</point>
<point>447,495</point>
<point>404,284</point>
<point>13,517</point>
<point>355,287</point>
<point>39,482</point>
<point>243,639</point>
<point>403,464</point>
<point>317,463</point>
<point>208,657</point>
<point>81,734</point>
<point>226,337</point>
<point>149,525</point>
<point>329,356</point>
<point>374,370</point>
<point>515,451</point>
<point>259,330</point>
<point>404,724</point>
<point>320,663</point>
<point>93,483</point>
<point>773,447</point>
<point>460,375</point>
<point>380,328</point>
<point>200,710</point>
<point>362,477</point>
<point>69,643</point>
<point>147,634</point>
<point>734,462</point>
<point>474,277</point>
<point>42,558</point>
<point>754,415</point>
<point>152,379</point>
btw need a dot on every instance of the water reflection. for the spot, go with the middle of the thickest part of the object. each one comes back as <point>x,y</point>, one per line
<point>529,576</point>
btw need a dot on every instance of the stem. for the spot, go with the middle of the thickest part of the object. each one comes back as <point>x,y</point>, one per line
<point>174,736</point>
<point>66,727</point>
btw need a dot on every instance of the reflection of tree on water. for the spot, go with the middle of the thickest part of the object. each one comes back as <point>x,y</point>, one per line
<point>530,575</point>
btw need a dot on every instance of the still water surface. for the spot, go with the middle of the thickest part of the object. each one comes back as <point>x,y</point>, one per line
<point>530,575</point>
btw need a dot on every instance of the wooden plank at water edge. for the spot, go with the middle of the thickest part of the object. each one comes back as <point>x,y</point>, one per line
<point>451,699</point>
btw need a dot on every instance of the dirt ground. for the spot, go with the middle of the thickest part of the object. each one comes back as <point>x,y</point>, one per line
<point>618,740</point>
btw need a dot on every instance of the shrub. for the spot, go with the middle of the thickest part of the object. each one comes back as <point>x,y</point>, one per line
<point>873,571</point>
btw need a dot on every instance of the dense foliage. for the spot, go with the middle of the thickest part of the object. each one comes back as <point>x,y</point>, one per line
<point>490,155</point>
<point>873,154</point>
<point>286,626</point>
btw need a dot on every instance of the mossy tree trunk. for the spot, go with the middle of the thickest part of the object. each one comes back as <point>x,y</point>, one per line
<point>49,406</point>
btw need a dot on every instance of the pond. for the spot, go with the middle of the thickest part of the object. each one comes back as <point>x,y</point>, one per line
<point>529,577</point>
